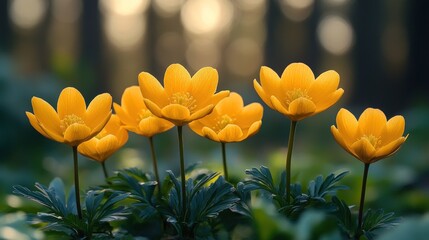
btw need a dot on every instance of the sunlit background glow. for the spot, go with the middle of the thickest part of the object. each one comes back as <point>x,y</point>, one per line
<point>335,35</point>
<point>102,46</point>
<point>27,14</point>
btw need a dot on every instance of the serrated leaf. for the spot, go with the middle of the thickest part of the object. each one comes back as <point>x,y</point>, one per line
<point>374,221</point>
<point>344,216</point>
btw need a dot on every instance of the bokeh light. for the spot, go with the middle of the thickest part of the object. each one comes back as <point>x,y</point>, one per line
<point>27,14</point>
<point>207,16</point>
<point>335,34</point>
<point>126,8</point>
<point>167,8</point>
<point>297,10</point>
<point>124,22</point>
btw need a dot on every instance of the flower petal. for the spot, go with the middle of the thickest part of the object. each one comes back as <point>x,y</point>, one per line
<point>71,102</point>
<point>76,134</point>
<point>89,149</point>
<point>389,149</point>
<point>230,105</point>
<point>329,100</point>
<point>152,89</point>
<point>176,79</point>
<point>296,76</point>
<point>101,125</point>
<point>203,84</point>
<point>46,116</point>
<point>394,129</point>
<point>215,99</point>
<point>262,94</point>
<point>201,113</point>
<point>132,101</point>
<point>325,84</point>
<point>270,82</point>
<point>98,110</point>
<point>340,139</point>
<point>107,146</point>
<point>151,126</point>
<point>153,108</point>
<point>231,133</point>
<point>197,127</point>
<point>35,124</point>
<point>301,108</point>
<point>176,113</point>
<point>210,134</point>
<point>347,126</point>
<point>249,115</point>
<point>124,116</point>
<point>254,128</point>
<point>278,106</point>
<point>364,150</point>
<point>372,122</point>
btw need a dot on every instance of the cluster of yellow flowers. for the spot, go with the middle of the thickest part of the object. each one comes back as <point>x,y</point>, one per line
<point>150,109</point>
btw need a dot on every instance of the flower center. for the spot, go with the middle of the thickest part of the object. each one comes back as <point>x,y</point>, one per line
<point>69,120</point>
<point>222,122</point>
<point>185,99</point>
<point>143,114</point>
<point>375,141</point>
<point>295,94</point>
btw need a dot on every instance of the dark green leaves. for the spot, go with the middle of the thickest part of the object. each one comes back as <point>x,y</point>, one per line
<point>100,209</point>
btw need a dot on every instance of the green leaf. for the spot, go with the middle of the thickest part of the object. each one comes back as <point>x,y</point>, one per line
<point>319,188</point>
<point>376,221</point>
<point>344,216</point>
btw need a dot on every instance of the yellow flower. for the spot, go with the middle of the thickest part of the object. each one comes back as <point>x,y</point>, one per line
<point>297,94</point>
<point>108,141</point>
<point>230,121</point>
<point>370,138</point>
<point>136,117</point>
<point>183,98</point>
<point>73,123</point>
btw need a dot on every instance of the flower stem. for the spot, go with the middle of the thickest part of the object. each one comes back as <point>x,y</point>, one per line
<point>76,182</point>
<point>182,168</point>
<point>289,158</point>
<point>103,165</point>
<point>155,165</point>
<point>225,167</point>
<point>362,200</point>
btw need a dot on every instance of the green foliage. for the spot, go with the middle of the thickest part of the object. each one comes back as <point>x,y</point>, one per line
<point>317,191</point>
<point>376,221</point>
<point>128,207</point>
<point>100,210</point>
<point>270,224</point>
<point>204,204</point>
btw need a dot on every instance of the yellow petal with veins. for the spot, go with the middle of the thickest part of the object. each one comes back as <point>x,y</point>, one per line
<point>76,133</point>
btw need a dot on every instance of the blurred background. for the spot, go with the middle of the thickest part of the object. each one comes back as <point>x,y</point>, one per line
<point>379,48</point>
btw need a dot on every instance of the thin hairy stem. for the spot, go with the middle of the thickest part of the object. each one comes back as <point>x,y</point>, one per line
<point>155,165</point>
<point>362,200</point>
<point>103,165</point>
<point>182,168</point>
<point>225,167</point>
<point>76,182</point>
<point>289,158</point>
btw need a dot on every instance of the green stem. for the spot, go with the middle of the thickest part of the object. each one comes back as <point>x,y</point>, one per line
<point>76,182</point>
<point>182,168</point>
<point>155,165</point>
<point>106,175</point>
<point>362,200</point>
<point>225,167</point>
<point>289,158</point>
